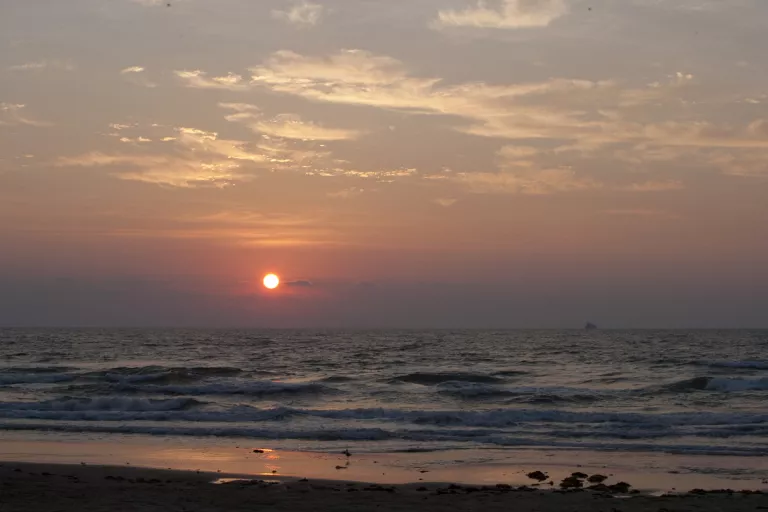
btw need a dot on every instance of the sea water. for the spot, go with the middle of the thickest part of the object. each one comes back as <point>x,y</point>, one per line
<point>677,392</point>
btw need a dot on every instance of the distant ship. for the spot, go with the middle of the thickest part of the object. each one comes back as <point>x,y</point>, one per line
<point>590,326</point>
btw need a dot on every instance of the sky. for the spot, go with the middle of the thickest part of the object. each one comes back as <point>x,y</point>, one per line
<point>409,164</point>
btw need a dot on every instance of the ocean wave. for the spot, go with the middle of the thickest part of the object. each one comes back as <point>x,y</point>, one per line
<point>754,365</point>
<point>162,374</point>
<point>458,438</point>
<point>338,379</point>
<point>117,403</point>
<point>186,409</point>
<point>432,379</point>
<point>254,388</point>
<point>736,385</point>
<point>35,369</point>
<point>7,379</point>
<point>510,373</point>
<point>359,434</point>
<point>471,390</point>
<point>721,384</point>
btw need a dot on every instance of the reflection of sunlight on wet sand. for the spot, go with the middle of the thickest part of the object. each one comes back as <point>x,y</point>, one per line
<point>206,455</point>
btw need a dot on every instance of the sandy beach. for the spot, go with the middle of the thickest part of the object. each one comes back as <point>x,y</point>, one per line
<point>64,474</point>
<point>49,487</point>
<point>648,473</point>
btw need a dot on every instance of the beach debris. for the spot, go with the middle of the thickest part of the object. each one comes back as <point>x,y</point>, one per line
<point>537,475</point>
<point>258,451</point>
<point>304,480</point>
<point>274,471</point>
<point>423,471</point>
<point>341,467</point>
<point>596,479</point>
<point>347,453</point>
<point>579,475</point>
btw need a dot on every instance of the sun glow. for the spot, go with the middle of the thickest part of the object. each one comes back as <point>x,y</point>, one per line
<point>271,281</point>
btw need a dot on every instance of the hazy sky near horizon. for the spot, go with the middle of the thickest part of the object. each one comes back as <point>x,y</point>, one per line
<point>422,163</point>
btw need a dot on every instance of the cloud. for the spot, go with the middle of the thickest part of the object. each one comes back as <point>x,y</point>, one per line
<point>200,80</point>
<point>639,212</point>
<point>43,64</point>
<point>532,182</point>
<point>445,201</point>
<point>380,175</point>
<point>120,126</point>
<point>556,124</point>
<point>745,163</point>
<point>346,193</point>
<point>136,75</point>
<point>509,14</point>
<point>154,3</point>
<point>654,186</point>
<point>240,107</point>
<point>203,159</point>
<point>242,227</point>
<point>285,126</point>
<point>301,14</point>
<point>581,111</point>
<point>132,69</point>
<point>284,154</point>
<point>11,114</point>
<point>299,284</point>
<point>290,126</point>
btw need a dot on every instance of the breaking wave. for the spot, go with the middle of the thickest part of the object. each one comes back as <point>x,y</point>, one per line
<point>432,379</point>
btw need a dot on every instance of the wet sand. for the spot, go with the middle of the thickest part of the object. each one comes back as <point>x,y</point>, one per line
<point>650,473</point>
<point>28,487</point>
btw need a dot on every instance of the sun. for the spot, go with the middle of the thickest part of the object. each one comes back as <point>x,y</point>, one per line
<point>271,281</point>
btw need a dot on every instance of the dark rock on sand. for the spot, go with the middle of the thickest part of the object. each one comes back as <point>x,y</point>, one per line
<point>571,482</point>
<point>579,475</point>
<point>537,475</point>
<point>599,488</point>
<point>258,451</point>
<point>621,487</point>
<point>596,479</point>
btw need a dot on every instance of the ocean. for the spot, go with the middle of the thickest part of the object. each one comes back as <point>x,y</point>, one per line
<point>643,391</point>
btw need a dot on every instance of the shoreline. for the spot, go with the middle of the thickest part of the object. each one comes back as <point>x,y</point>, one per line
<point>27,487</point>
<point>648,473</point>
